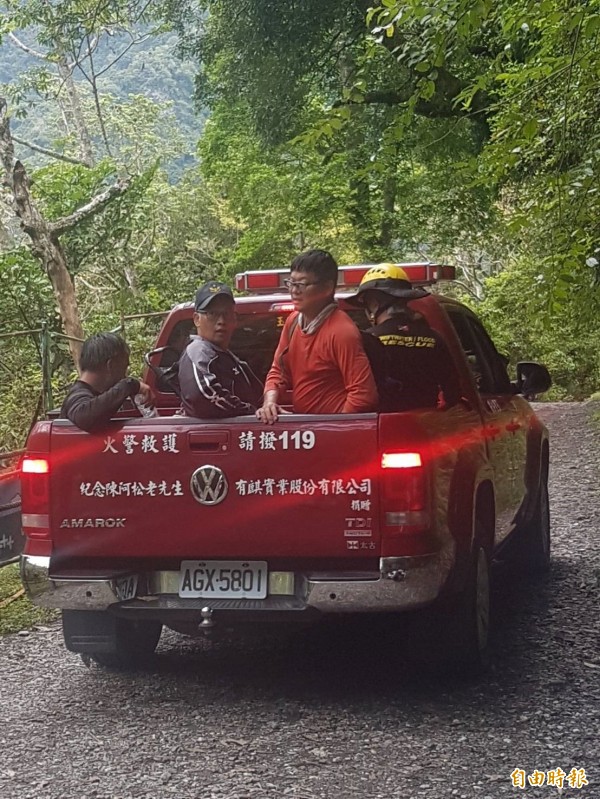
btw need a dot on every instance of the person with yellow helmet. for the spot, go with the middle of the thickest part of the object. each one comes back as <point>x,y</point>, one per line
<point>417,361</point>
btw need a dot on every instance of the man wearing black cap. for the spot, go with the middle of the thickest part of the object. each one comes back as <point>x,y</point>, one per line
<point>215,383</point>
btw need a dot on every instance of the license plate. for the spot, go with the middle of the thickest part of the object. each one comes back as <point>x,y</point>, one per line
<point>223,579</point>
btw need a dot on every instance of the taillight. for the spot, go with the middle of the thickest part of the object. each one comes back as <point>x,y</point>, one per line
<point>35,497</point>
<point>401,460</point>
<point>35,466</point>
<point>404,483</point>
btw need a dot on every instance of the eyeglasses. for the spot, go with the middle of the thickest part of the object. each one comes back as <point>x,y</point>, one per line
<point>214,316</point>
<point>299,286</point>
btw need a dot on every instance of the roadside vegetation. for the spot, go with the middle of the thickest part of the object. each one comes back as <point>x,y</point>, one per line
<point>16,611</point>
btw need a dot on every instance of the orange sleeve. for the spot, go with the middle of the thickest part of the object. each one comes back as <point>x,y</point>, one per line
<point>278,378</point>
<point>361,391</point>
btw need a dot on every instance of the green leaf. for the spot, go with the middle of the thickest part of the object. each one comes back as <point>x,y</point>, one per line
<point>530,128</point>
<point>574,20</point>
<point>427,89</point>
<point>592,25</point>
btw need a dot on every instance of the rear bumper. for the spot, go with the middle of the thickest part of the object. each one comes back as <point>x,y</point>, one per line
<point>402,584</point>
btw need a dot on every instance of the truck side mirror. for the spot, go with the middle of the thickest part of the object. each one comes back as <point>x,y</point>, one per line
<point>532,379</point>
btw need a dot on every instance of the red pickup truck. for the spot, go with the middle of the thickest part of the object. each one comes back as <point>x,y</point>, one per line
<point>208,524</point>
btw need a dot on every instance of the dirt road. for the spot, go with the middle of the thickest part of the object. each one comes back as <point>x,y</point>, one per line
<point>334,713</point>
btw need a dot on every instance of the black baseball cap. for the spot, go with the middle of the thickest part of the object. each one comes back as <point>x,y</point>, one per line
<point>207,293</point>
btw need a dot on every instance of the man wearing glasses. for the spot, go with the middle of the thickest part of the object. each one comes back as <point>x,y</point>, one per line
<point>214,382</point>
<point>320,356</point>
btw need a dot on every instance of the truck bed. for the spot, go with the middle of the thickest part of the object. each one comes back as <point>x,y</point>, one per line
<point>176,488</point>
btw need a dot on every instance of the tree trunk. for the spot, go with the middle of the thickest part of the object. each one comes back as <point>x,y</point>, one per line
<point>44,235</point>
<point>390,188</point>
<point>46,247</point>
<point>359,203</point>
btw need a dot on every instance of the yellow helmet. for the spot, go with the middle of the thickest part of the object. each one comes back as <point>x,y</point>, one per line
<point>385,271</point>
<point>388,279</point>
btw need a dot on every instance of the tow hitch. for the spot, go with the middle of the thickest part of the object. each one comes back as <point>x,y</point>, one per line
<point>207,623</point>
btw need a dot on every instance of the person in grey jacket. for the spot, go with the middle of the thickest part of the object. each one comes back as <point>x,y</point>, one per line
<point>214,382</point>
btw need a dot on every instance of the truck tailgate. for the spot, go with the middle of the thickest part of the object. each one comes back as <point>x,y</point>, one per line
<point>172,488</point>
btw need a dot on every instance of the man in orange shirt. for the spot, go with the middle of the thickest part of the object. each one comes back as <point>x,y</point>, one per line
<point>320,356</point>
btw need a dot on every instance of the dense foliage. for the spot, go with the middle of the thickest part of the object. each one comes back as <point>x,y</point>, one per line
<point>447,130</point>
<point>461,131</point>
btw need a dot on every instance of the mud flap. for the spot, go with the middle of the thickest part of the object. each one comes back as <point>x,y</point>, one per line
<point>107,639</point>
<point>88,632</point>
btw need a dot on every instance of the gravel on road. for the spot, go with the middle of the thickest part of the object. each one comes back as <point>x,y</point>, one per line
<point>333,712</point>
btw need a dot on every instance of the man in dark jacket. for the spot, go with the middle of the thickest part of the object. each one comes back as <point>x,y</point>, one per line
<point>417,362</point>
<point>102,386</point>
<point>214,382</point>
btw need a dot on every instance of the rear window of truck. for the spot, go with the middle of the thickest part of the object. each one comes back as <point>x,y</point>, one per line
<point>254,340</point>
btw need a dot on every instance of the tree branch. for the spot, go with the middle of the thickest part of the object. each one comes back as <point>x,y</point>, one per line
<point>89,209</point>
<point>74,105</point>
<point>441,105</point>
<point>50,153</point>
<point>22,46</point>
<point>94,84</point>
<point>467,288</point>
<point>128,47</point>
<point>79,58</point>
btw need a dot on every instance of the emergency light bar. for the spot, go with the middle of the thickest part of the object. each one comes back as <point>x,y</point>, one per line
<point>269,281</point>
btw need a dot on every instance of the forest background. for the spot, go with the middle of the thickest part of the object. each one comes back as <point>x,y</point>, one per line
<point>148,146</point>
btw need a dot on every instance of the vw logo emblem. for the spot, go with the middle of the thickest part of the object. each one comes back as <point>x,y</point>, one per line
<point>209,485</point>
